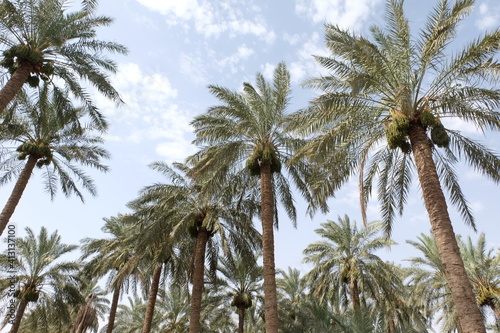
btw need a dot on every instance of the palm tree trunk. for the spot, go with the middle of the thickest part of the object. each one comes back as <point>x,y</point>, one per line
<point>19,315</point>
<point>198,278</point>
<point>468,312</point>
<point>241,320</point>
<point>14,85</point>
<point>112,310</point>
<point>153,292</point>
<point>267,217</point>
<point>17,192</point>
<point>354,291</point>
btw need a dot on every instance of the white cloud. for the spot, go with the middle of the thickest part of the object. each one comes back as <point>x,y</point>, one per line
<point>268,70</point>
<point>489,16</point>
<point>194,67</point>
<point>291,39</point>
<point>345,13</point>
<point>213,18</point>
<point>306,66</point>
<point>150,113</point>
<point>242,53</point>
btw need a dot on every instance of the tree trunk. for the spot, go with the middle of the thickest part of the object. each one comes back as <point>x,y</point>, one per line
<point>468,312</point>
<point>354,291</point>
<point>267,217</point>
<point>17,192</point>
<point>112,310</point>
<point>19,315</point>
<point>153,292</point>
<point>241,320</point>
<point>198,278</point>
<point>15,84</point>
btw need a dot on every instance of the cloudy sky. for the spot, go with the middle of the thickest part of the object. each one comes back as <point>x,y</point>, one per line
<point>177,48</point>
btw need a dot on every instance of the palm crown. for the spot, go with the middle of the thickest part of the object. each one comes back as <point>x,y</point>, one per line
<point>43,41</point>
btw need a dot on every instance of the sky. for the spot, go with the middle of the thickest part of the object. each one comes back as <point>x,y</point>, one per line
<point>177,48</point>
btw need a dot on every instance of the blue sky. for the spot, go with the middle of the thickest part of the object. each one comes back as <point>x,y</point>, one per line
<point>177,48</point>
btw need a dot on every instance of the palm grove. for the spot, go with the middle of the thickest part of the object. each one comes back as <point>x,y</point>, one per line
<point>188,254</point>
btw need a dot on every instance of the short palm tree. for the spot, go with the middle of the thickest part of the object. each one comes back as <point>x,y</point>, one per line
<point>384,111</point>
<point>115,256</point>
<point>42,277</point>
<point>240,278</point>
<point>40,39</point>
<point>216,219</point>
<point>483,269</point>
<point>48,317</point>
<point>345,266</point>
<point>49,133</point>
<point>248,131</point>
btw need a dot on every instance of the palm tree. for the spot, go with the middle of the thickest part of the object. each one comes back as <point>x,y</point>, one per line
<point>42,40</point>
<point>427,276</point>
<point>250,127</point>
<point>50,135</point>
<point>115,256</point>
<point>483,269</point>
<point>48,317</point>
<point>344,262</point>
<point>41,275</point>
<point>240,277</point>
<point>397,94</point>
<point>216,219</point>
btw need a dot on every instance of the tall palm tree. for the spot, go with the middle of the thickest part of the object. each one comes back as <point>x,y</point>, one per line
<point>40,39</point>
<point>50,134</point>
<point>240,276</point>
<point>41,275</point>
<point>397,92</point>
<point>248,130</point>
<point>345,266</point>
<point>115,256</point>
<point>216,219</point>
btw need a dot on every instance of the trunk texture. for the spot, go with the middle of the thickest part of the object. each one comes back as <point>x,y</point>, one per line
<point>198,278</point>
<point>14,85</point>
<point>112,310</point>
<point>241,320</point>
<point>19,315</point>
<point>267,217</point>
<point>468,312</point>
<point>153,292</point>
<point>17,192</point>
<point>354,291</point>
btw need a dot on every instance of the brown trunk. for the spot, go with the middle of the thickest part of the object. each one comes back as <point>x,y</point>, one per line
<point>17,192</point>
<point>468,312</point>
<point>267,216</point>
<point>153,292</point>
<point>241,320</point>
<point>198,277</point>
<point>354,291</point>
<point>19,315</point>
<point>112,310</point>
<point>15,84</point>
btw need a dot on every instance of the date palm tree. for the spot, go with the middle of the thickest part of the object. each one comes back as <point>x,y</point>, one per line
<point>41,276</point>
<point>115,256</point>
<point>248,131</point>
<point>48,317</point>
<point>216,219</point>
<point>384,111</point>
<point>41,40</point>
<point>50,134</point>
<point>240,277</point>
<point>483,269</point>
<point>345,266</point>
